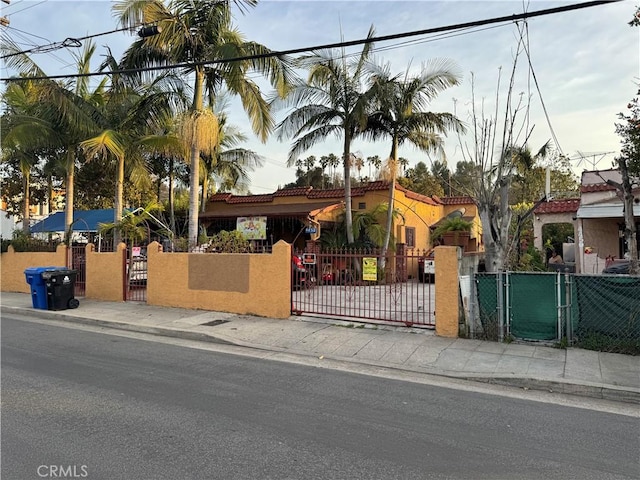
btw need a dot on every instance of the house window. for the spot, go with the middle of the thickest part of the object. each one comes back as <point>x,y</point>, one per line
<point>410,234</point>
<point>362,206</point>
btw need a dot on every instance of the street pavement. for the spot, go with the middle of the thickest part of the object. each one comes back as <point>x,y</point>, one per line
<point>529,366</point>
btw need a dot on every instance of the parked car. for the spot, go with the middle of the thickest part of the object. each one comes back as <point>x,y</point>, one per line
<point>427,268</point>
<point>298,272</point>
<point>619,267</point>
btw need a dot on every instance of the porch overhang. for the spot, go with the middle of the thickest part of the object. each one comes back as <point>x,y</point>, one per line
<point>296,210</point>
<point>605,211</point>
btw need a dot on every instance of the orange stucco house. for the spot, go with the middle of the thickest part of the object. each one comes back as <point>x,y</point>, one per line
<point>300,215</point>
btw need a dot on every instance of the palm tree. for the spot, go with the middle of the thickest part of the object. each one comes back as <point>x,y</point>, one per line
<point>23,132</point>
<point>333,101</point>
<point>400,115</point>
<point>228,165</point>
<point>199,36</point>
<point>165,148</point>
<point>130,110</point>
<point>66,111</point>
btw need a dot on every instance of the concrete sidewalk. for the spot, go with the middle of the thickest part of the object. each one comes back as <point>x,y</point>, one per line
<point>573,371</point>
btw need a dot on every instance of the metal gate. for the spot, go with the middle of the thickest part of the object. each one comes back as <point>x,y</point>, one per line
<point>359,285</point>
<point>77,260</point>
<point>136,275</point>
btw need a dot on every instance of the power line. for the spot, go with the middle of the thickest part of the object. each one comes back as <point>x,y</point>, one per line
<point>508,18</point>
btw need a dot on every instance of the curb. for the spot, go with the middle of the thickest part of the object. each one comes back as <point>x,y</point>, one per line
<point>165,332</point>
<point>594,390</point>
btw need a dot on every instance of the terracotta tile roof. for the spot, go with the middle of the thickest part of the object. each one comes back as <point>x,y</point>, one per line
<point>418,196</point>
<point>220,197</point>
<point>598,187</point>
<point>292,192</point>
<point>268,197</point>
<point>568,205</point>
<point>330,193</point>
<point>300,210</point>
<point>461,200</point>
<point>315,194</point>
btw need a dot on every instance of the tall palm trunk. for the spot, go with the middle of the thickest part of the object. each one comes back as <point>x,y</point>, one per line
<point>194,170</point>
<point>347,189</point>
<point>172,210</point>
<point>68,208</point>
<point>26,214</point>
<point>118,207</point>
<point>203,195</point>
<point>393,169</point>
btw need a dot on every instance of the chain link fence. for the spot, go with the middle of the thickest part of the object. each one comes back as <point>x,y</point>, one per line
<point>598,312</point>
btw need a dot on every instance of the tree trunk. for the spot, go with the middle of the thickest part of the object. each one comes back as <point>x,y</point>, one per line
<point>493,251</point>
<point>392,189</point>
<point>630,232</point>
<point>26,214</point>
<point>117,210</point>
<point>194,163</point>
<point>68,217</point>
<point>203,195</point>
<point>172,215</point>
<point>347,189</point>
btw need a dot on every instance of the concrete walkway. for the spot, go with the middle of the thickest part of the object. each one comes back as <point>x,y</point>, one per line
<point>573,371</point>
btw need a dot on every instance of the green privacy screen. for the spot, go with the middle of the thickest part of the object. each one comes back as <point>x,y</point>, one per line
<point>607,305</point>
<point>532,302</point>
<point>533,305</point>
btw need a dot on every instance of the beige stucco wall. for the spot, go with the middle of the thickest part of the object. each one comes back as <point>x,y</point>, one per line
<point>257,284</point>
<point>13,264</point>
<point>600,235</point>
<point>447,291</point>
<point>105,274</point>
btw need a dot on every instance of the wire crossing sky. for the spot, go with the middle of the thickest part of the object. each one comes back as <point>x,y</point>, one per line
<point>586,62</point>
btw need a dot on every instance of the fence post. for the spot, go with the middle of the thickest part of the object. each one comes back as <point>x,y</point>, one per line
<point>559,306</point>
<point>567,307</point>
<point>473,298</point>
<point>500,306</point>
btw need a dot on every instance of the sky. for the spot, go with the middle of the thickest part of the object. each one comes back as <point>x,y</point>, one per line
<point>586,64</point>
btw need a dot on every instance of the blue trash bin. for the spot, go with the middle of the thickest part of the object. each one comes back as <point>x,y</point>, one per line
<point>38,286</point>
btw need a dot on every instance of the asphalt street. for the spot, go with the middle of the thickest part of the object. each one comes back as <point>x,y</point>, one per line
<point>122,408</point>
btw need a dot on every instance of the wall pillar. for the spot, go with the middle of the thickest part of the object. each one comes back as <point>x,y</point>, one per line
<point>447,291</point>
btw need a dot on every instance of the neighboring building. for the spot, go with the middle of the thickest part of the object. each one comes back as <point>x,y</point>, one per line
<point>597,218</point>
<point>556,211</point>
<point>299,215</point>
<point>600,220</point>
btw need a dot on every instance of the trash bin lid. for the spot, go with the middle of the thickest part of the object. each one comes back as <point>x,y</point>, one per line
<point>57,272</point>
<point>39,270</point>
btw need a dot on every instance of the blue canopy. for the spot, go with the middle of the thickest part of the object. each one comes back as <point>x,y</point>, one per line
<point>83,221</point>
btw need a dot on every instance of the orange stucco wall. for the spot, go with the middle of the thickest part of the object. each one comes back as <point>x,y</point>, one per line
<point>105,274</point>
<point>13,264</point>
<point>447,291</point>
<point>257,284</point>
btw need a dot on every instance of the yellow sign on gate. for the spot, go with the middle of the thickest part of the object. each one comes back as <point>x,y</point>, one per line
<point>370,269</point>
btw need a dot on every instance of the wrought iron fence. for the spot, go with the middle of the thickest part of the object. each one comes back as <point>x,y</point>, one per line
<point>360,284</point>
<point>599,312</point>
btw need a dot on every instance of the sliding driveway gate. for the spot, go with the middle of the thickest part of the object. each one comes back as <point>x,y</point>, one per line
<point>356,285</point>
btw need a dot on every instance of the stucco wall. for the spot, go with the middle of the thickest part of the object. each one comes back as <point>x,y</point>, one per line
<point>258,284</point>
<point>105,274</point>
<point>447,291</point>
<point>13,264</point>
